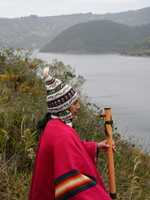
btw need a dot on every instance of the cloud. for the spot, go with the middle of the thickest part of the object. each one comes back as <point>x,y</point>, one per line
<point>47,8</point>
<point>11,4</point>
<point>30,6</point>
<point>8,4</point>
<point>106,1</point>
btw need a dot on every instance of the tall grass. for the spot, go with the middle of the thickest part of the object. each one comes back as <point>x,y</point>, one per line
<point>23,103</point>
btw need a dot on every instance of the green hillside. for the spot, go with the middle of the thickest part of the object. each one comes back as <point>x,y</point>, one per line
<point>35,32</point>
<point>97,37</point>
<point>23,104</point>
<point>141,49</point>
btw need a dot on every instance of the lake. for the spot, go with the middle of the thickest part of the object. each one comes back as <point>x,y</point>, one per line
<point>119,82</point>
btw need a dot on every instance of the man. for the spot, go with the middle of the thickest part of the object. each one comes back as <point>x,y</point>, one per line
<point>65,166</point>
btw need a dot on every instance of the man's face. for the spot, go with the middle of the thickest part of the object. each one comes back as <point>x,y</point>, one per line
<point>74,109</point>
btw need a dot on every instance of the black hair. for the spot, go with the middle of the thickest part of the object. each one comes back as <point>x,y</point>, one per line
<point>42,123</point>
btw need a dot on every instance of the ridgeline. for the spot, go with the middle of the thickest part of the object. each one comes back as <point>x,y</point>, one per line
<point>97,37</point>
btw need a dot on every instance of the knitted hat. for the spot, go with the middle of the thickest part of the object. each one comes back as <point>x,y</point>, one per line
<point>60,97</point>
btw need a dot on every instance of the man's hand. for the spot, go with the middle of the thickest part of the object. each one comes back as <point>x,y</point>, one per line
<point>103,146</point>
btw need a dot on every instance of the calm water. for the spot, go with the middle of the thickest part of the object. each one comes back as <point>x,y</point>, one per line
<point>122,83</point>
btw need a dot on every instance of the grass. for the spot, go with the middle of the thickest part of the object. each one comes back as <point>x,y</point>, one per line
<point>22,104</point>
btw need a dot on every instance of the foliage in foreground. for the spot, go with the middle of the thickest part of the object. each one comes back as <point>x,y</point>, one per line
<point>22,104</point>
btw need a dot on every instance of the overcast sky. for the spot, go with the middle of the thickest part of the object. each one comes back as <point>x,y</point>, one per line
<point>21,8</point>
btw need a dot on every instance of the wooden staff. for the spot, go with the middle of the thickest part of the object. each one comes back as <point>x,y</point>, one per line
<point>110,157</point>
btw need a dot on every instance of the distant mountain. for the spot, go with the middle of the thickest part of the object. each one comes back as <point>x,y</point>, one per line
<point>141,49</point>
<point>130,18</point>
<point>35,32</point>
<point>97,37</point>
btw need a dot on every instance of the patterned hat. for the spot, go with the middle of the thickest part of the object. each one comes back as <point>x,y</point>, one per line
<point>60,97</point>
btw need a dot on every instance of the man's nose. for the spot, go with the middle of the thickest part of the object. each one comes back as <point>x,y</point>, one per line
<point>78,106</point>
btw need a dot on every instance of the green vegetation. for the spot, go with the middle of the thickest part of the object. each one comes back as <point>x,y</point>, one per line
<point>35,32</point>
<point>23,103</point>
<point>141,49</point>
<point>97,37</point>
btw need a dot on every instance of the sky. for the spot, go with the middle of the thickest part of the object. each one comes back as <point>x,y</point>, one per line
<point>42,8</point>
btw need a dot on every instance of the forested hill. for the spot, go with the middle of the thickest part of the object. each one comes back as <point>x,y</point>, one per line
<point>35,32</point>
<point>97,37</point>
<point>140,49</point>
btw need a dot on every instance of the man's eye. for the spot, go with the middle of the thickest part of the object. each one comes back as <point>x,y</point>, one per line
<point>75,102</point>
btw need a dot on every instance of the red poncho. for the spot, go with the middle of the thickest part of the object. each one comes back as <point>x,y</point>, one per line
<point>65,166</point>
